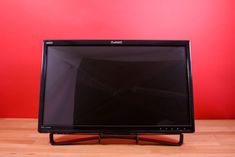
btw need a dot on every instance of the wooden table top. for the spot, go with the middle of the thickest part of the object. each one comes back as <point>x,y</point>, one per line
<point>213,138</point>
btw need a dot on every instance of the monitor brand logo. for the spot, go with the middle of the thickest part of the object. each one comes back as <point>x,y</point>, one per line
<point>49,42</point>
<point>116,42</point>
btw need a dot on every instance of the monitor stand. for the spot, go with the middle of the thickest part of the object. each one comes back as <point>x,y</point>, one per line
<point>105,136</point>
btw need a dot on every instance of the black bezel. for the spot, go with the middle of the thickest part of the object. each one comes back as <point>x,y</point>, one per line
<point>116,129</point>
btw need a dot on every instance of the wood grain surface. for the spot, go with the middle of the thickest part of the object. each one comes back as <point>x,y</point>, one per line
<point>213,138</point>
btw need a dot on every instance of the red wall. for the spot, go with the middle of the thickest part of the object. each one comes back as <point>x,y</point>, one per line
<point>209,24</point>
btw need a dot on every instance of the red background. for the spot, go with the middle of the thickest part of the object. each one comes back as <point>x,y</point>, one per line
<point>209,24</point>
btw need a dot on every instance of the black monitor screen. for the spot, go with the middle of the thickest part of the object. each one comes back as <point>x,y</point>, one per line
<point>116,86</point>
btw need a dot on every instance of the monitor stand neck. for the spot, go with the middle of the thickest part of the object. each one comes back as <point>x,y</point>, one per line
<point>105,136</point>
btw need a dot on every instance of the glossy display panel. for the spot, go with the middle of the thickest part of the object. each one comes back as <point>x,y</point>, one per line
<point>116,86</point>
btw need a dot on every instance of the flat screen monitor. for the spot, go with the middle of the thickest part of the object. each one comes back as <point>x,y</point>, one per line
<point>116,86</point>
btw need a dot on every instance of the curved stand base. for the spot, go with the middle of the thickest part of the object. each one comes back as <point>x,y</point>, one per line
<point>103,136</point>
